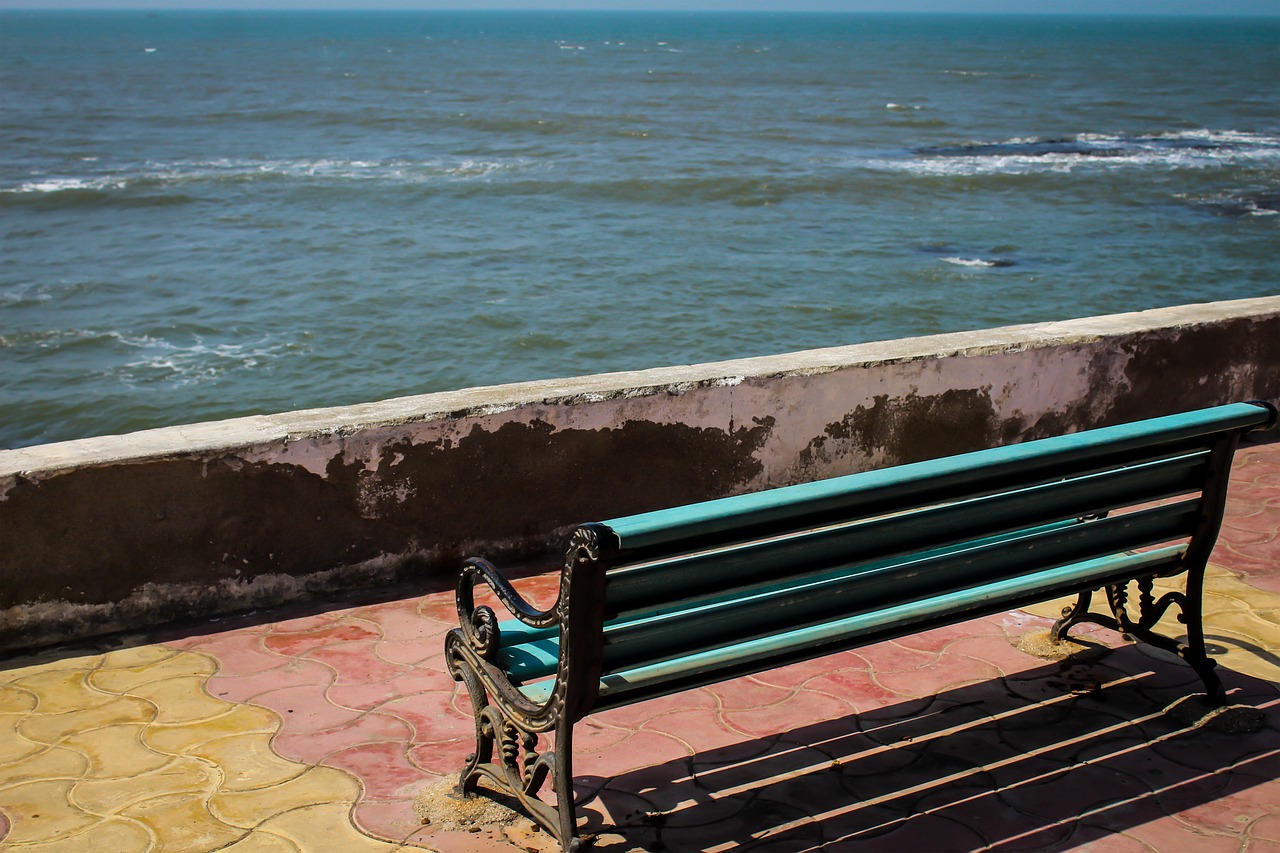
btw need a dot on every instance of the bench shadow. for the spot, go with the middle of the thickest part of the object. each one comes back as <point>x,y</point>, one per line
<point>1048,759</point>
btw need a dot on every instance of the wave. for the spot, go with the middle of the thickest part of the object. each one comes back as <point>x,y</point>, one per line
<point>1238,205</point>
<point>197,361</point>
<point>154,183</point>
<point>187,358</point>
<point>1173,150</point>
<point>981,263</point>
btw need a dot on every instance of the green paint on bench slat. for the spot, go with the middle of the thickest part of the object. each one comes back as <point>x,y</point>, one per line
<point>531,653</point>
<point>1051,582</point>
<point>530,659</point>
<point>688,575</point>
<point>788,606</point>
<point>985,466</point>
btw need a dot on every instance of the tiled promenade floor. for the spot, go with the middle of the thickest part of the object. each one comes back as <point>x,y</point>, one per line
<point>314,732</point>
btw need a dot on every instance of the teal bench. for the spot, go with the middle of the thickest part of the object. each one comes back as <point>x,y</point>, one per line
<point>665,601</point>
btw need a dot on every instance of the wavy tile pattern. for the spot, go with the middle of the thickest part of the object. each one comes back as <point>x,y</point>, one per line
<point>126,751</point>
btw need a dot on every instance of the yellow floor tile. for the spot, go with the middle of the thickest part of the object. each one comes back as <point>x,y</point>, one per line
<point>129,752</point>
<point>180,700</point>
<point>116,751</point>
<point>52,762</point>
<point>325,827</point>
<point>318,785</point>
<point>148,655</point>
<point>248,762</point>
<point>110,795</point>
<point>182,822</point>
<point>58,691</point>
<point>16,700</point>
<point>178,738</point>
<point>119,710</point>
<point>41,811</point>
<point>263,842</point>
<point>1236,617</point>
<point>123,678</point>
<point>1243,654</point>
<point>117,835</point>
<point>51,661</point>
<point>13,746</point>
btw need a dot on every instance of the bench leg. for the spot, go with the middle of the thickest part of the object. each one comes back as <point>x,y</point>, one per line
<point>563,783</point>
<point>1150,611</point>
<point>1190,604</point>
<point>519,769</point>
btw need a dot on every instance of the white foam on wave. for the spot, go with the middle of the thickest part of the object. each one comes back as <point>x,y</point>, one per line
<point>1189,149</point>
<point>57,185</point>
<point>136,359</point>
<point>193,362</point>
<point>156,173</point>
<point>970,262</point>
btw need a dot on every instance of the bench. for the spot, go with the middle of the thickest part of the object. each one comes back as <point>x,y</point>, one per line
<point>678,598</point>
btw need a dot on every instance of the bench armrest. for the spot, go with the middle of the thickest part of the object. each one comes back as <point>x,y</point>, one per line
<point>480,624</point>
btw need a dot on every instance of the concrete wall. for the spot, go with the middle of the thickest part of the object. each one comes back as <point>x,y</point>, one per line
<point>127,531</point>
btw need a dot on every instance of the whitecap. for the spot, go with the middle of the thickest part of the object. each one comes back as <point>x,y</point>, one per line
<point>222,169</point>
<point>970,262</point>
<point>194,362</point>
<point>57,185</point>
<point>1021,155</point>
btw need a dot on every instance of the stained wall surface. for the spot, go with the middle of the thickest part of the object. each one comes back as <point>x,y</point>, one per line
<point>127,531</point>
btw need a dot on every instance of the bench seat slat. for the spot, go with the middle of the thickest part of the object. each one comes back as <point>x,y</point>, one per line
<point>828,597</point>
<point>637,586</point>
<point>857,590</point>
<point>985,469</point>
<point>529,653</point>
<point>682,673</point>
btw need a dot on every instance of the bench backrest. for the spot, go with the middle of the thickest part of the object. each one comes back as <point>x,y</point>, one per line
<point>685,580</point>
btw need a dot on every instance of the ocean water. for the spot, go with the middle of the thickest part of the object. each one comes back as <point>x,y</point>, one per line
<point>207,215</point>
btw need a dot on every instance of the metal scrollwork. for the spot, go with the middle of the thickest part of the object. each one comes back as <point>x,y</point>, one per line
<point>1150,611</point>
<point>585,545</point>
<point>508,723</point>
<point>482,632</point>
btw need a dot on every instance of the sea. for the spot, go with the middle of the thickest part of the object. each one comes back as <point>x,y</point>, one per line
<point>215,214</point>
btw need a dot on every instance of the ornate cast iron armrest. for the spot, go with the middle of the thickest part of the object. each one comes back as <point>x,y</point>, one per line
<point>475,570</point>
<point>476,641</point>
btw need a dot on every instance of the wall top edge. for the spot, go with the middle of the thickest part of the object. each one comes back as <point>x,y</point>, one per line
<point>198,439</point>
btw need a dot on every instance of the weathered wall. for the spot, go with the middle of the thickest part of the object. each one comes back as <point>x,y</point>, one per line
<point>125,531</point>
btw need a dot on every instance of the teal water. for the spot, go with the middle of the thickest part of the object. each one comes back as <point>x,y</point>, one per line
<point>215,214</point>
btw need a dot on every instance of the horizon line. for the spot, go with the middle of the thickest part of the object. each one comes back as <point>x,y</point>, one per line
<point>661,9</point>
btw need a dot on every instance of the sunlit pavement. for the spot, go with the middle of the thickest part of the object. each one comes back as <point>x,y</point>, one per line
<point>315,731</point>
